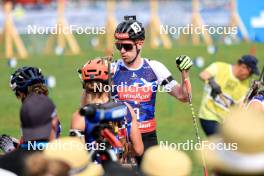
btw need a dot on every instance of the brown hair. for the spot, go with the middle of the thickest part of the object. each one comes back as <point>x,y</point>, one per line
<point>38,88</point>
<point>58,168</point>
<point>38,165</point>
<point>95,89</point>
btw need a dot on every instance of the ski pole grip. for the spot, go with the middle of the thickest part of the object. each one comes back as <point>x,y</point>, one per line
<point>187,83</point>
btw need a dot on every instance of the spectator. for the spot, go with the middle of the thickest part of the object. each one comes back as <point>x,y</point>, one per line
<point>38,165</point>
<point>25,81</point>
<point>72,151</point>
<point>160,161</point>
<point>36,117</point>
<point>238,148</point>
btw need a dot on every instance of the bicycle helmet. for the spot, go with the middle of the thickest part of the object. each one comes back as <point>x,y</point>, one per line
<point>131,29</point>
<point>24,77</point>
<point>96,69</point>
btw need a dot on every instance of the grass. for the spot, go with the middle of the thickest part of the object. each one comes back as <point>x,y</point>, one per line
<point>174,118</point>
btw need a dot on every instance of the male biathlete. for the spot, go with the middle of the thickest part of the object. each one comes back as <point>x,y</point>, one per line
<point>136,79</point>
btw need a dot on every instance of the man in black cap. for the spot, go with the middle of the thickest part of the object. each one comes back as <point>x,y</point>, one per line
<point>36,117</point>
<point>226,86</point>
<point>38,126</point>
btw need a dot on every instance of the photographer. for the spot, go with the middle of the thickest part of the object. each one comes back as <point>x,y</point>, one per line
<point>95,74</point>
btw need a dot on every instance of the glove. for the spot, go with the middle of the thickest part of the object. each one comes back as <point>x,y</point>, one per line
<point>7,143</point>
<point>216,89</point>
<point>184,62</point>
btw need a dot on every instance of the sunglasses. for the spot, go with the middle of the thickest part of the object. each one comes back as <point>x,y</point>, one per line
<point>126,46</point>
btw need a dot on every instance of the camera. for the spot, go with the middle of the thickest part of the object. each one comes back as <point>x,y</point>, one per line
<point>112,111</point>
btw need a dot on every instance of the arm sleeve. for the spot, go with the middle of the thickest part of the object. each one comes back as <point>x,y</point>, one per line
<point>163,75</point>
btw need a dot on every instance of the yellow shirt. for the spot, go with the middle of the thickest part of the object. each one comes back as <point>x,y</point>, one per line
<point>233,90</point>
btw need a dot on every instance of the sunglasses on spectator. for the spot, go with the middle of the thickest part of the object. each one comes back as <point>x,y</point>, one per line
<point>126,46</point>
